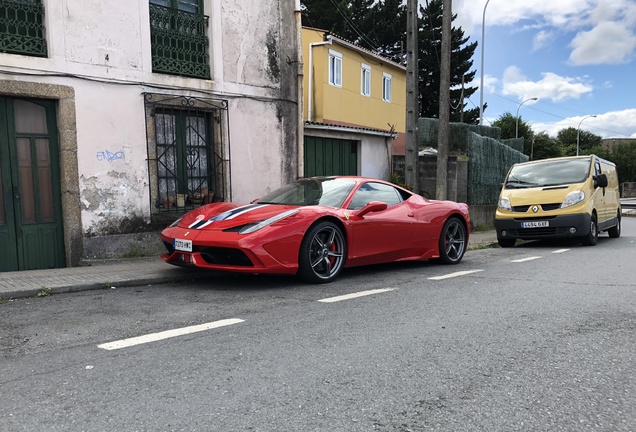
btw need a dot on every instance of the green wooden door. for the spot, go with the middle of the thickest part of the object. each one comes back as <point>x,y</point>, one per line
<point>328,156</point>
<point>31,229</point>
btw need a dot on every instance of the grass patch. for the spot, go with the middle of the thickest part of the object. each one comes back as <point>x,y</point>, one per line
<point>133,252</point>
<point>44,291</point>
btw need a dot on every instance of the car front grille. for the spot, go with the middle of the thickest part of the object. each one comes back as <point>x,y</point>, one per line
<point>539,232</point>
<point>225,256</point>
<point>544,207</point>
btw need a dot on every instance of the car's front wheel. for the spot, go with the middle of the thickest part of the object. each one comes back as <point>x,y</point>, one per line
<point>506,242</point>
<point>452,241</point>
<point>592,237</point>
<point>322,253</point>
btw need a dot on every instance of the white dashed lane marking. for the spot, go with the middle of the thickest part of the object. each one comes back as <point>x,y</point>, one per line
<point>520,260</point>
<point>456,274</point>
<point>560,250</point>
<point>355,295</point>
<point>153,337</point>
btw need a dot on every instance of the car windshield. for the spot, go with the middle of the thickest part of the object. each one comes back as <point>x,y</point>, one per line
<point>549,173</point>
<point>312,191</point>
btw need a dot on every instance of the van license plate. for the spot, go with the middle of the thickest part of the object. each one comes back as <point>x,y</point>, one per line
<point>537,224</point>
<point>183,245</point>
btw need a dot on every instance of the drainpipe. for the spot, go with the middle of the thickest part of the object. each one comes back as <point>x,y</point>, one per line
<point>300,129</point>
<point>310,102</point>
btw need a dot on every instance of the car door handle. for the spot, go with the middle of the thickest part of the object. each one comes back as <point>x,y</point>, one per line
<point>411,215</point>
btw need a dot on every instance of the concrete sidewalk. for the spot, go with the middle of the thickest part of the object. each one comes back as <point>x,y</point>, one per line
<point>100,274</point>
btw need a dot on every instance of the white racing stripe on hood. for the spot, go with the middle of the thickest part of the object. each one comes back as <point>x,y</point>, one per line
<point>231,214</point>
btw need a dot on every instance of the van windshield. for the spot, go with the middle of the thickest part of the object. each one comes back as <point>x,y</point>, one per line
<point>549,173</point>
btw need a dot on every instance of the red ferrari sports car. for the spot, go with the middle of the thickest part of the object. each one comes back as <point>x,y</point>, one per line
<point>315,227</point>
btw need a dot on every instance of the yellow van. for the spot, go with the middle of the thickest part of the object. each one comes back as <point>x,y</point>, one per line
<point>568,197</point>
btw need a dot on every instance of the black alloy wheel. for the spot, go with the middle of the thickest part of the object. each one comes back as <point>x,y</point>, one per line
<point>322,253</point>
<point>452,241</point>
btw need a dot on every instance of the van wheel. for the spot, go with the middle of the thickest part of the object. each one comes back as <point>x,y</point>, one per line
<point>506,243</point>
<point>592,237</point>
<point>615,231</point>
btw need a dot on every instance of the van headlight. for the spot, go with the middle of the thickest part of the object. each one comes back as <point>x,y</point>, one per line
<point>573,198</point>
<point>504,204</point>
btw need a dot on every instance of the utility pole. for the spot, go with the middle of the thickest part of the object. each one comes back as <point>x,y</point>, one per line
<point>411,158</point>
<point>443,137</point>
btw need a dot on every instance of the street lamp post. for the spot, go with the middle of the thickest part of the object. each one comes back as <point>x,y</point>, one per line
<point>481,86</point>
<point>578,133</point>
<point>517,116</point>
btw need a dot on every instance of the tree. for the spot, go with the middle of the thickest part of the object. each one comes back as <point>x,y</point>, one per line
<point>587,141</point>
<point>325,15</point>
<point>508,125</point>
<point>543,146</point>
<point>429,46</point>
<point>624,156</point>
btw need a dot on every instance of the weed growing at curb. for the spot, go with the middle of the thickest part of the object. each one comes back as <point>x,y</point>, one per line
<point>44,291</point>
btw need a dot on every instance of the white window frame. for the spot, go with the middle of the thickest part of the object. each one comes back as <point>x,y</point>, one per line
<point>335,68</point>
<point>386,87</point>
<point>365,80</point>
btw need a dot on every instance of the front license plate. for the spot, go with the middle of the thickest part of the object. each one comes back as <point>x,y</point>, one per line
<point>183,245</point>
<point>537,224</point>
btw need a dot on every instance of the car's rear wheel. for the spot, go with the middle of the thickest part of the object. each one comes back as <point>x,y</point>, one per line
<point>592,237</point>
<point>506,242</point>
<point>322,253</point>
<point>452,241</point>
<point>615,231</point>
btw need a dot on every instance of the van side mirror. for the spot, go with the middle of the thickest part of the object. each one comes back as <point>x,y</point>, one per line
<point>600,181</point>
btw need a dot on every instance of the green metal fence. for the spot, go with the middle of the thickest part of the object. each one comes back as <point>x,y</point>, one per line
<point>22,28</point>
<point>179,42</point>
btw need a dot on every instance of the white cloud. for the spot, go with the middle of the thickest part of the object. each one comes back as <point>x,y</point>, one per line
<point>603,28</point>
<point>551,86</point>
<point>607,43</point>
<point>542,39</point>
<point>613,124</point>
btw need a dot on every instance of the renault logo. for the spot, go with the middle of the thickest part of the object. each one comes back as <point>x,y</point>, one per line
<point>535,208</point>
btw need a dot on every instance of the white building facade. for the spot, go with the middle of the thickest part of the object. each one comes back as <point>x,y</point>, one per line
<point>120,116</point>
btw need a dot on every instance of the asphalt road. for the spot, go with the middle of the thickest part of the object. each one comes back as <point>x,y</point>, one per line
<point>541,337</point>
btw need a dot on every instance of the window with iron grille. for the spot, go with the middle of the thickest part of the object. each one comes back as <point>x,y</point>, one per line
<point>22,27</point>
<point>178,37</point>
<point>187,144</point>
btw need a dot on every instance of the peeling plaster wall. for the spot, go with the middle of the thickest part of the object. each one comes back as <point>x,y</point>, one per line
<point>102,52</point>
<point>112,156</point>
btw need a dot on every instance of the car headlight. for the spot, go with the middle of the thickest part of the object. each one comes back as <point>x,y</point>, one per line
<point>262,224</point>
<point>175,223</point>
<point>504,204</point>
<point>573,198</point>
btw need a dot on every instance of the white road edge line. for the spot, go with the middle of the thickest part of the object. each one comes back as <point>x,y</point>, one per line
<point>456,274</point>
<point>560,250</point>
<point>355,295</point>
<point>525,259</point>
<point>153,337</point>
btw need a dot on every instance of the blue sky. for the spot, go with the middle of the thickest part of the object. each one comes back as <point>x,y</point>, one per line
<point>578,57</point>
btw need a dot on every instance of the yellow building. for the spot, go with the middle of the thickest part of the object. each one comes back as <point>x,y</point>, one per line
<point>354,107</point>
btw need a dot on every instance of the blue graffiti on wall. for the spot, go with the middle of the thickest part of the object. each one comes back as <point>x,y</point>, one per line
<point>108,156</point>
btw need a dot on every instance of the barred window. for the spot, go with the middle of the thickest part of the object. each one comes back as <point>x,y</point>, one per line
<point>22,27</point>
<point>187,148</point>
<point>178,32</point>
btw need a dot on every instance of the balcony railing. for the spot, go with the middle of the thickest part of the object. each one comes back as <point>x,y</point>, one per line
<point>179,42</point>
<point>22,28</point>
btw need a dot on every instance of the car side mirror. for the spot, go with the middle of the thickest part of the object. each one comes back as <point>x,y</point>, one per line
<point>373,206</point>
<point>600,181</point>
